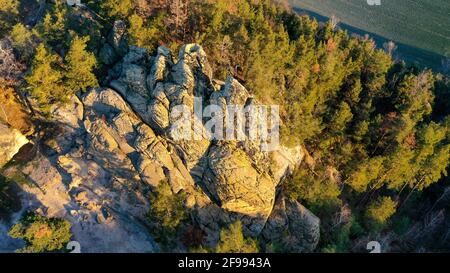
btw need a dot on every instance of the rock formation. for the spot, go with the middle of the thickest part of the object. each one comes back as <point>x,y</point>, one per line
<point>113,146</point>
<point>11,140</point>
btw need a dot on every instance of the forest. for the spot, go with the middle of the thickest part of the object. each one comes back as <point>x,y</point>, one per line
<point>377,129</point>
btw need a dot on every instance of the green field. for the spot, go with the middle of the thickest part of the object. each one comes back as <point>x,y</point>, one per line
<point>420,27</point>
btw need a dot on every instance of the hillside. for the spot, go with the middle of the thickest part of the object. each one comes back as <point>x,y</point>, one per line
<point>421,28</point>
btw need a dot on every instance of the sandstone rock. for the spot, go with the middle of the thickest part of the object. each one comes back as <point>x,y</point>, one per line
<point>285,161</point>
<point>11,140</point>
<point>233,92</point>
<point>293,225</point>
<point>133,76</point>
<point>160,68</point>
<point>67,120</point>
<point>116,147</point>
<point>107,55</point>
<point>159,115</point>
<point>70,113</point>
<point>117,38</point>
<point>137,55</point>
<point>235,184</point>
<point>193,71</point>
<point>233,174</point>
<point>137,102</point>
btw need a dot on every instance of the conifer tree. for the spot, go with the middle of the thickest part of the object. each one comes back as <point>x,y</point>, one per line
<point>232,240</point>
<point>23,41</point>
<point>379,212</point>
<point>53,28</point>
<point>9,12</point>
<point>145,35</point>
<point>80,65</point>
<point>117,9</point>
<point>167,212</point>
<point>46,78</point>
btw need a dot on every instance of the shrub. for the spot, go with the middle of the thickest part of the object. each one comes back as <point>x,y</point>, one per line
<point>232,241</point>
<point>166,213</point>
<point>42,234</point>
<point>23,41</point>
<point>317,190</point>
<point>379,212</point>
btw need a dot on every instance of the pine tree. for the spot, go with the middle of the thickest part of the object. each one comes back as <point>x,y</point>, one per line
<point>9,13</point>
<point>366,174</point>
<point>117,9</point>
<point>46,78</point>
<point>232,240</point>
<point>167,213</point>
<point>80,65</point>
<point>23,41</point>
<point>380,211</point>
<point>145,35</point>
<point>319,190</point>
<point>54,26</point>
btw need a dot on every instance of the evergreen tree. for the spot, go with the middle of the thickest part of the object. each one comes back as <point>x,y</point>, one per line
<point>232,240</point>
<point>46,78</point>
<point>145,36</point>
<point>167,213</point>
<point>80,65</point>
<point>23,41</point>
<point>379,212</point>
<point>9,14</point>
<point>317,188</point>
<point>53,28</point>
<point>117,9</point>
<point>367,173</point>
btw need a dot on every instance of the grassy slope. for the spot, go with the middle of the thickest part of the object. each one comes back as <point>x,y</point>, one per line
<point>421,24</point>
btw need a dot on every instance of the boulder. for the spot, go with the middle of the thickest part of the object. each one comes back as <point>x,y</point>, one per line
<point>159,115</point>
<point>117,38</point>
<point>11,140</point>
<point>235,184</point>
<point>133,77</point>
<point>285,161</point>
<point>160,68</point>
<point>193,72</point>
<point>233,92</point>
<point>293,225</point>
<point>138,56</point>
<point>108,55</point>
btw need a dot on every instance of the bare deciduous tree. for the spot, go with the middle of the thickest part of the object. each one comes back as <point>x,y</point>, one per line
<point>10,67</point>
<point>179,14</point>
<point>334,21</point>
<point>390,47</point>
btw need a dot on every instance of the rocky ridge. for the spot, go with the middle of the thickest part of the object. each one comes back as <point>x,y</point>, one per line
<point>113,146</point>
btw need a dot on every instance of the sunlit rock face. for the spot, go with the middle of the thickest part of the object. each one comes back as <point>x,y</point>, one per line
<point>235,176</point>
<point>11,140</point>
<point>114,146</point>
